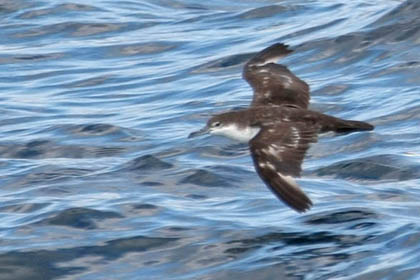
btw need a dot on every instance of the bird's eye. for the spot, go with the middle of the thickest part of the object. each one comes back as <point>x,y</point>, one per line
<point>216,124</point>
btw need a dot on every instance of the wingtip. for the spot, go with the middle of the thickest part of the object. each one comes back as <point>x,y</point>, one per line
<point>287,190</point>
<point>302,208</point>
<point>279,48</point>
<point>301,203</point>
<point>293,195</point>
<point>273,52</point>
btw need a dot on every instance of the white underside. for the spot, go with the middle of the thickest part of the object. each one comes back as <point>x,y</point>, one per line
<point>234,132</point>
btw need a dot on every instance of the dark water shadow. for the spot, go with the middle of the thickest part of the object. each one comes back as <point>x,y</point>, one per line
<point>46,264</point>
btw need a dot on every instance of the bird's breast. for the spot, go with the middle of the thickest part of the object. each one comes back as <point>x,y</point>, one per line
<point>241,134</point>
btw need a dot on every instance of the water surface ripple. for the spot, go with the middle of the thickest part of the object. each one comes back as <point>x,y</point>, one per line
<point>98,178</point>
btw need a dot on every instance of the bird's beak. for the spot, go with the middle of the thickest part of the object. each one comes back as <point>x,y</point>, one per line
<point>202,131</point>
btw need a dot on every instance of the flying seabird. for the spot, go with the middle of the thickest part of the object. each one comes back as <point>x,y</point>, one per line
<point>278,126</point>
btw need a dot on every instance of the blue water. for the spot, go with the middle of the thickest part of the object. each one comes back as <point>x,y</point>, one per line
<point>99,181</point>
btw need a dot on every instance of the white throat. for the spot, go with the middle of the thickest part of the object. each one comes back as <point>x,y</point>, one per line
<point>237,133</point>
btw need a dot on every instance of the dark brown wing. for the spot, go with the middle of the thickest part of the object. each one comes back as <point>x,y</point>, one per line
<point>278,152</point>
<point>274,84</point>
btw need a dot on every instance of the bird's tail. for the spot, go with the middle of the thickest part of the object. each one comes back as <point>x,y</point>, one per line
<point>343,126</point>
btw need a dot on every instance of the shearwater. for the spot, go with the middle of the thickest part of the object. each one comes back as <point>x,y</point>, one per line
<point>278,125</point>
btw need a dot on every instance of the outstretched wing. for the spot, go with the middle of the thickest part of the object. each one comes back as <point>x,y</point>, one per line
<point>274,84</point>
<point>278,152</point>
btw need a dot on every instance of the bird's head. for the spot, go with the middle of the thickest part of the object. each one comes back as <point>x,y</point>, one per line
<point>215,125</point>
<point>234,125</point>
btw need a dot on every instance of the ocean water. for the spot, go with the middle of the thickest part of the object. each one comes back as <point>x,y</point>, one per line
<point>99,181</point>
